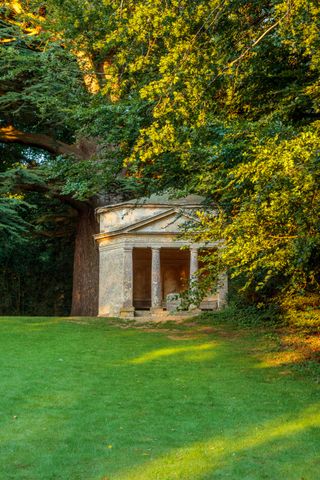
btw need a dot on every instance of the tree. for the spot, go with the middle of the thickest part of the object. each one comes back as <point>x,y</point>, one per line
<point>143,96</point>
<point>41,84</point>
<point>270,220</point>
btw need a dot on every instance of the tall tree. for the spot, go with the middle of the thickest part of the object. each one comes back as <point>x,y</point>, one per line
<point>178,92</point>
<point>42,86</point>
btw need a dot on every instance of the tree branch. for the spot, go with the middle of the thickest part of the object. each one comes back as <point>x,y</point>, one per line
<point>78,205</point>
<point>258,40</point>
<point>248,49</point>
<point>11,134</point>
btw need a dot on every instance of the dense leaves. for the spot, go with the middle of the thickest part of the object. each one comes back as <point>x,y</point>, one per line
<point>218,98</point>
<point>36,255</point>
<point>36,242</point>
<point>272,232</point>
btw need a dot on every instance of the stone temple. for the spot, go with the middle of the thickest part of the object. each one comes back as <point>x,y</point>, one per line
<point>144,262</point>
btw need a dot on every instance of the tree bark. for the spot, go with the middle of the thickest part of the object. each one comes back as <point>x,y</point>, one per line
<point>82,150</point>
<point>85,266</point>
<point>11,134</point>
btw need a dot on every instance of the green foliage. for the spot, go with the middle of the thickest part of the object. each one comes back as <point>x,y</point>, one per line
<point>36,276</point>
<point>302,312</point>
<point>36,262</point>
<point>218,98</point>
<point>13,210</point>
<point>36,249</point>
<point>41,86</point>
<point>271,230</point>
<point>240,315</point>
<point>11,222</point>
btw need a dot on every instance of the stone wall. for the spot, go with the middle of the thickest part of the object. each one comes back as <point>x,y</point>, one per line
<point>111,294</point>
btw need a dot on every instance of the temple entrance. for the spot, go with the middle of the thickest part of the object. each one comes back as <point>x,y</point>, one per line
<point>175,267</point>
<point>174,274</point>
<point>141,278</point>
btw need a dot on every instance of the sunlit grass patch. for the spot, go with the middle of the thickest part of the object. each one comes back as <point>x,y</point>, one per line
<point>168,352</point>
<point>280,358</point>
<point>202,458</point>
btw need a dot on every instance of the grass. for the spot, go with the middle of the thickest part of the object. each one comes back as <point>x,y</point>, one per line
<point>88,399</point>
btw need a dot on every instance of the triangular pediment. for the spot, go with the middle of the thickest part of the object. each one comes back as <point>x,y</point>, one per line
<point>170,221</point>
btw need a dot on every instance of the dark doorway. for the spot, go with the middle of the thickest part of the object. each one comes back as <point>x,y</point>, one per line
<point>175,267</point>
<point>142,278</point>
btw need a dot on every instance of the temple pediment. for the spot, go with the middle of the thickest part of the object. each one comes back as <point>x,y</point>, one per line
<point>170,222</point>
<point>157,214</point>
<point>167,222</point>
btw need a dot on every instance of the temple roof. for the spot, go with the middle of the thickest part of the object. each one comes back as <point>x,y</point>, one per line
<point>156,200</point>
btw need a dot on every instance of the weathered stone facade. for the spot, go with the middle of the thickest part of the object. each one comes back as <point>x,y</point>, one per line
<point>143,263</point>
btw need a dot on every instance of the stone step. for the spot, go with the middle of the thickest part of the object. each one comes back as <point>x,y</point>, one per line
<point>142,313</point>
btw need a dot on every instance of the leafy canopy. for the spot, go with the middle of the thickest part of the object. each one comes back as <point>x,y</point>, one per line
<point>219,98</point>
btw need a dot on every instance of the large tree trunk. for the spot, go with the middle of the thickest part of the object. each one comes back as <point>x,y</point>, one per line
<point>85,266</point>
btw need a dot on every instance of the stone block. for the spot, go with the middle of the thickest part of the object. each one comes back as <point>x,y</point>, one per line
<point>173,302</point>
<point>127,312</point>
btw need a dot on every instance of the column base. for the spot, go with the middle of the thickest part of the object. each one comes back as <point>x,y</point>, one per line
<point>127,312</point>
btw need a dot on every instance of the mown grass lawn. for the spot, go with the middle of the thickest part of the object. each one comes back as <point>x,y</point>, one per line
<point>94,401</point>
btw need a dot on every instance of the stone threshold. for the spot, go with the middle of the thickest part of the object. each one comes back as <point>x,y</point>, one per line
<point>163,316</point>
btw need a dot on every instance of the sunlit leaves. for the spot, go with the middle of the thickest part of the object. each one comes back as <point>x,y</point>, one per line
<point>272,233</point>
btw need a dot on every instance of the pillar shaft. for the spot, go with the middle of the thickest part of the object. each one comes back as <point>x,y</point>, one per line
<point>193,263</point>
<point>127,278</point>
<point>156,287</point>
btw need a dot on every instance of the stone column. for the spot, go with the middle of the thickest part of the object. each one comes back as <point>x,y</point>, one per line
<point>193,263</point>
<point>222,290</point>
<point>156,287</point>
<point>127,309</point>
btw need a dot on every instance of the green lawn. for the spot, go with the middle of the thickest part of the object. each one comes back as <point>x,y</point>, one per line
<point>94,401</point>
